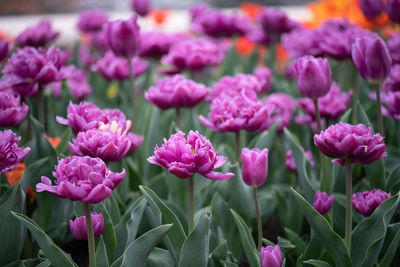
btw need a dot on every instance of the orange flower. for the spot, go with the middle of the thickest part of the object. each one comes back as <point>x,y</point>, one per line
<point>250,9</point>
<point>281,57</point>
<point>54,141</point>
<point>159,15</point>
<point>31,194</point>
<point>244,46</point>
<point>15,174</point>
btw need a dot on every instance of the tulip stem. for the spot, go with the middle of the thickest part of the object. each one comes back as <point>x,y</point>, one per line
<point>259,225</point>
<point>41,106</point>
<point>237,146</point>
<point>89,227</point>
<point>178,118</point>
<point>379,109</point>
<point>356,93</point>
<point>349,184</point>
<point>324,180</point>
<point>132,78</point>
<point>191,204</point>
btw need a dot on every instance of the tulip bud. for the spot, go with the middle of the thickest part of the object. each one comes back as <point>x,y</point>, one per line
<point>313,76</point>
<point>254,166</point>
<point>322,202</point>
<point>393,10</point>
<point>79,230</point>
<point>371,8</point>
<point>141,7</point>
<point>271,256</point>
<point>372,59</point>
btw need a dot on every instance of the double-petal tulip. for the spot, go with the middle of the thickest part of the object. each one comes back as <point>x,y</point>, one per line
<point>366,202</point>
<point>10,153</point>
<point>91,20</point>
<point>11,112</point>
<point>290,163</point>
<point>39,35</point>
<point>78,226</point>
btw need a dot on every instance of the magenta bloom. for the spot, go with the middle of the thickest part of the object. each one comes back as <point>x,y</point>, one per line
<point>193,54</point>
<point>233,85</point>
<point>254,166</point>
<point>290,164</point>
<point>302,42</point>
<point>323,202</point>
<point>271,256</point>
<point>257,35</point>
<point>264,76</point>
<point>79,229</point>
<point>371,8</point>
<point>176,92</point>
<point>123,37</point>
<point>239,112</point>
<point>135,142</point>
<point>91,20</point>
<point>276,21</point>
<point>39,35</point>
<point>372,59</point>
<point>83,179</point>
<point>313,76</point>
<point>185,157</point>
<point>345,141</point>
<point>392,9</point>
<point>197,10</point>
<point>393,105</point>
<point>10,153</point>
<point>4,49</point>
<point>141,7</point>
<point>78,84</point>
<point>282,107</point>
<point>393,44</point>
<point>82,117</point>
<point>11,112</point>
<point>366,202</point>
<point>156,44</point>
<point>112,68</point>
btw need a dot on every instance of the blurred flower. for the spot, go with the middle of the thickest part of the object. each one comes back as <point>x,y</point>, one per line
<point>244,46</point>
<point>82,179</point>
<point>393,44</point>
<point>282,107</point>
<point>234,85</point>
<point>11,112</point>
<point>254,166</point>
<point>275,21</point>
<point>156,44</point>
<point>135,140</point>
<point>141,7</point>
<point>392,101</point>
<point>39,35</point>
<point>355,142</point>
<point>159,15</point>
<point>371,8</point>
<point>257,35</point>
<point>271,256</point>
<point>301,42</point>
<point>323,202</point>
<point>91,20</point>
<point>366,202</point>
<point>313,76</point>
<point>197,10</point>
<point>10,154</point>
<point>176,92</point>
<point>250,9</point>
<point>264,76</point>
<point>372,59</point>
<point>54,141</point>
<point>290,164</point>
<point>185,157</point>
<point>123,37</point>
<point>78,84</point>
<point>14,175</point>
<point>79,228</point>
<point>4,49</point>
<point>392,9</point>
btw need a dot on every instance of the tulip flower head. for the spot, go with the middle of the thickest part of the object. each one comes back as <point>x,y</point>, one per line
<point>323,202</point>
<point>366,202</point>
<point>254,166</point>
<point>91,20</point>
<point>11,112</point>
<point>271,256</point>
<point>282,107</point>
<point>392,9</point>
<point>290,164</point>
<point>10,154</point>
<point>141,7</point>
<point>39,35</point>
<point>264,76</point>
<point>79,230</point>
<point>371,8</point>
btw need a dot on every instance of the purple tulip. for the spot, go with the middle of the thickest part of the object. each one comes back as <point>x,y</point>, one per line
<point>366,202</point>
<point>290,164</point>
<point>78,84</point>
<point>313,76</point>
<point>91,20</point>
<point>235,113</point>
<point>323,202</point>
<point>4,49</point>
<point>156,44</point>
<point>176,92</point>
<point>372,59</point>
<point>257,35</point>
<point>393,10</point>
<point>355,142</point>
<point>39,35</point>
<point>11,112</point>
<point>371,8</point>
<point>393,44</point>
<point>79,229</point>
<point>185,157</point>
<point>198,10</point>
<point>123,37</point>
<point>83,179</point>
<point>271,256</point>
<point>282,107</point>
<point>264,76</point>
<point>276,21</point>
<point>141,7</point>
<point>254,166</point>
<point>301,42</point>
<point>10,153</point>
<point>136,141</point>
<point>112,68</point>
<point>193,54</point>
<point>393,105</point>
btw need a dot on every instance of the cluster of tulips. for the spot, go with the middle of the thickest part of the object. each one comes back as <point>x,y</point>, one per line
<point>211,107</point>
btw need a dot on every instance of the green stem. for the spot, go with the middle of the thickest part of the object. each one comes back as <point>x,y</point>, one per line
<point>379,110</point>
<point>349,184</point>
<point>356,96</point>
<point>324,181</point>
<point>259,225</point>
<point>132,78</point>
<point>237,146</point>
<point>191,203</point>
<point>41,107</point>
<point>178,118</point>
<point>89,227</point>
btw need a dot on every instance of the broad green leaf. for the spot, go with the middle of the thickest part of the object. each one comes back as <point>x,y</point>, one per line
<point>346,116</point>
<point>393,184</point>
<point>133,223</point>
<point>101,254</point>
<point>368,235</point>
<point>391,251</point>
<point>333,243</point>
<point>109,234</point>
<point>266,138</point>
<point>55,254</point>
<point>176,237</point>
<point>228,264</point>
<point>196,247</point>
<point>363,117</point>
<point>248,244</point>
<point>12,232</point>
<point>62,147</point>
<point>137,252</point>
<point>296,240</point>
<point>313,249</point>
<point>159,258</point>
<point>28,263</point>
<point>219,253</point>
<point>290,214</point>
<point>317,263</point>
<point>34,171</point>
<point>285,244</point>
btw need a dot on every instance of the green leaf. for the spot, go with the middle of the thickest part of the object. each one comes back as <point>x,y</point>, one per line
<point>346,116</point>
<point>12,232</point>
<point>393,184</point>
<point>134,222</point>
<point>266,138</point>
<point>333,243</point>
<point>101,254</point>
<point>317,263</point>
<point>62,147</point>
<point>176,237</point>
<point>219,253</point>
<point>159,258</point>
<point>363,117</point>
<point>285,244</point>
<point>296,240</point>
<point>196,247</point>
<point>137,252</point>
<point>228,264</point>
<point>109,234</point>
<point>55,254</point>
<point>391,251</point>
<point>248,244</point>
<point>368,235</point>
